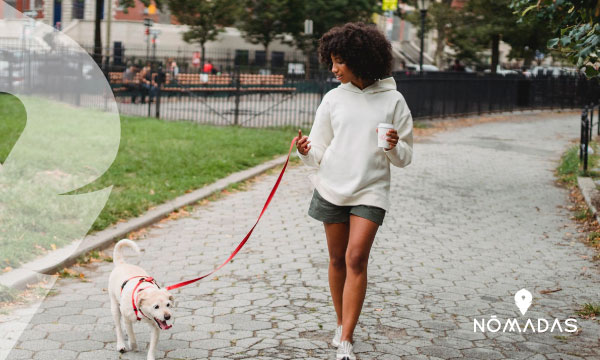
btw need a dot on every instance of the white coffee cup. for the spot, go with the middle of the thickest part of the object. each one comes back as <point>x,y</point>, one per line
<point>382,130</point>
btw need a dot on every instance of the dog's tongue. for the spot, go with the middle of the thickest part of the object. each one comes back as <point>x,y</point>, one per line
<point>163,325</point>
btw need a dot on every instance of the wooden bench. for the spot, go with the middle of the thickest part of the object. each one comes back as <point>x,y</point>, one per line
<point>202,83</point>
<point>209,83</point>
<point>264,83</point>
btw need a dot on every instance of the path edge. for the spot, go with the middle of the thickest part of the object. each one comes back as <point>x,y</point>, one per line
<point>33,272</point>
<point>588,187</point>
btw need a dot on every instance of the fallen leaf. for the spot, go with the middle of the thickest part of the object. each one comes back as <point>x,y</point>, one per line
<point>548,291</point>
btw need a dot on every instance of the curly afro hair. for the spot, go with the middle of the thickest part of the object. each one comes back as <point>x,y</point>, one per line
<point>364,49</point>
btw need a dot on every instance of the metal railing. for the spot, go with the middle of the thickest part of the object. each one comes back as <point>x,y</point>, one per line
<point>586,131</point>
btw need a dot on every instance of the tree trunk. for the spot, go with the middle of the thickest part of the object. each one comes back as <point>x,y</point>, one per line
<point>495,52</point>
<point>97,34</point>
<point>267,57</point>
<point>202,57</point>
<point>439,47</point>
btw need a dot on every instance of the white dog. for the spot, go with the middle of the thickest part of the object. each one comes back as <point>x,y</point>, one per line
<point>135,296</point>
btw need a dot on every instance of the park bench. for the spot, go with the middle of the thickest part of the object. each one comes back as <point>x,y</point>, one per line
<point>200,83</point>
<point>264,83</point>
<point>210,83</point>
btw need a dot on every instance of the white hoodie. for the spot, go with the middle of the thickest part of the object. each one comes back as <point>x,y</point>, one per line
<point>352,169</point>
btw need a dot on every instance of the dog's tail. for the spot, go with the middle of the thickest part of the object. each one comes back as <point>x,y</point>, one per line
<point>117,256</point>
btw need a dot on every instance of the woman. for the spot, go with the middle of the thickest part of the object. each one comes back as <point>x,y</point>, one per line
<point>352,184</point>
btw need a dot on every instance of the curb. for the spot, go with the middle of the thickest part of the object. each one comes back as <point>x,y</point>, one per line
<point>31,272</point>
<point>587,188</point>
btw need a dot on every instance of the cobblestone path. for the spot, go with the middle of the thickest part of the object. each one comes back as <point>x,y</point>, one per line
<point>475,218</point>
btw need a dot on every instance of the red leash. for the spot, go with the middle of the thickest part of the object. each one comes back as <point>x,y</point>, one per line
<point>239,247</point>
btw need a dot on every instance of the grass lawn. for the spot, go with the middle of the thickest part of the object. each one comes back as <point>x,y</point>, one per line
<point>570,168</point>
<point>157,161</point>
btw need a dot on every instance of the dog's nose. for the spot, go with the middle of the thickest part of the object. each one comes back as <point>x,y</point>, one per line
<point>167,317</point>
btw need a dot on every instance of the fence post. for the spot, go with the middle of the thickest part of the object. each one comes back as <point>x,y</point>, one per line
<point>586,144</point>
<point>157,113</point>
<point>591,123</point>
<point>582,132</point>
<point>237,95</point>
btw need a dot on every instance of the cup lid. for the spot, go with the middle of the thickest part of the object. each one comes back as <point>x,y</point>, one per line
<point>385,125</point>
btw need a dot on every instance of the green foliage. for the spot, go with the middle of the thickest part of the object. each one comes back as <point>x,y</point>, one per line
<point>575,28</point>
<point>205,18</point>
<point>264,21</point>
<point>326,14</point>
<point>441,16</point>
<point>480,26</point>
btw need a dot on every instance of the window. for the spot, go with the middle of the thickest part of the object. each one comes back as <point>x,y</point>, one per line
<point>260,58</point>
<point>241,57</point>
<point>78,7</point>
<point>277,58</point>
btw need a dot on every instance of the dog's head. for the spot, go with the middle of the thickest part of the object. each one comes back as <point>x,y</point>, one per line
<point>157,304</point>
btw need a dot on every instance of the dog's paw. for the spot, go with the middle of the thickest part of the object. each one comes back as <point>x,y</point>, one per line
<point>133,347</point>
<point>121,348</point>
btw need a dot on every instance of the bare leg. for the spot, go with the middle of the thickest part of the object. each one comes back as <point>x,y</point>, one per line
<point>337,242</point>
<point>116,313</point>
<point>362,234</point>
<point>153,342</point>
<point>133,346</point>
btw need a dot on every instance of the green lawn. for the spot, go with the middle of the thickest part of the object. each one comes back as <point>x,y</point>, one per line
<point>570,167</point>
<point>157,161</point>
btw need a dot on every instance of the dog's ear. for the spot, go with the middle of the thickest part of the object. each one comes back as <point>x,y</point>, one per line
<point>143,295</point>
<point>171,298</point>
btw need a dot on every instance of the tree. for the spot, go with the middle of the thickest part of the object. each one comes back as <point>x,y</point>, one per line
<point>205,18</point>
<point>440,16</point>
<point>263,21</point>
<point>575,28</point>
<point>325,14</point>
<point>482,25</point>
<point>527,37</point>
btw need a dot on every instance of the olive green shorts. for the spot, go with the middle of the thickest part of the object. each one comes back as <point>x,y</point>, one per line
<point>322,210</point>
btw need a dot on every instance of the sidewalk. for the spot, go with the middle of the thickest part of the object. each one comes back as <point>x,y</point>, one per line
<point>476,217</point>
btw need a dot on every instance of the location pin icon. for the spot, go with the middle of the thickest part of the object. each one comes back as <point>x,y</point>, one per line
<point>523,300</point>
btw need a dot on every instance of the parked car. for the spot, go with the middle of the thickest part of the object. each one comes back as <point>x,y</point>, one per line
<point>426,67</point>
<point>554,71</point>
<point>502,71</point>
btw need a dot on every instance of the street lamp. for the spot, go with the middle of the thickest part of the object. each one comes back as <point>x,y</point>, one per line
<point>423,5</point>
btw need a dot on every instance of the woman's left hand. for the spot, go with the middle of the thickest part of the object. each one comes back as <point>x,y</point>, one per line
<point>392,138</point>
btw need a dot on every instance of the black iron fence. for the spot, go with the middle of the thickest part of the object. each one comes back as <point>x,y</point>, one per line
<point>247,98</point>
<point>273,100</point>
<point>586,130</point>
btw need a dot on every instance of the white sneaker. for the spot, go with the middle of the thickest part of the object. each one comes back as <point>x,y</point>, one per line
<point>336,338</point>
<point>344,351</point>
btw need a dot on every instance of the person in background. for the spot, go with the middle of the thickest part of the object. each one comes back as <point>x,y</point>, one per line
<point>131,84</point>
<point>457,66</point>
<point>208,67</point>
<point>148,84</point>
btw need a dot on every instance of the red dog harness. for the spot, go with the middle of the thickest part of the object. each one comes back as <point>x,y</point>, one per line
<point>137,290</point>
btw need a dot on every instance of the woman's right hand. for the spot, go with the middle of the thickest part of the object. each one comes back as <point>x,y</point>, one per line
<point>302,144</point>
